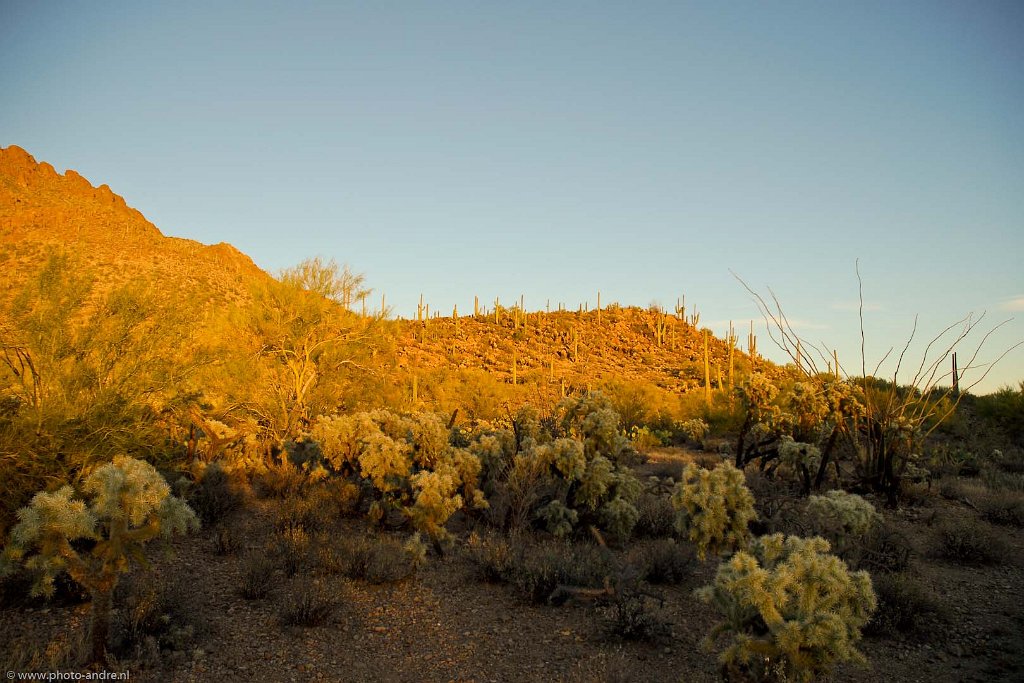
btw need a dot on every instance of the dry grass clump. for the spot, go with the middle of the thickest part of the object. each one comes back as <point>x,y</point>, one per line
<point>307,603</point>
<point>257,575</point>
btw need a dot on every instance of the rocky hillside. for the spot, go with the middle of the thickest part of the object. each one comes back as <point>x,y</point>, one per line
<point>41,209</point>
<point>549,352</point>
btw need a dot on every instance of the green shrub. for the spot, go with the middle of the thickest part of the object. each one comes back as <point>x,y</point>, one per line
<point>793,610</point>
<point>128,504</point>
<point>714,508</point>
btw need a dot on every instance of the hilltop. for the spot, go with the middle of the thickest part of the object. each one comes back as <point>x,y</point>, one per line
<point>41,209</point>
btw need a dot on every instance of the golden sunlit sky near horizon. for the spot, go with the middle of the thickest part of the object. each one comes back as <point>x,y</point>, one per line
<point>647,150</point>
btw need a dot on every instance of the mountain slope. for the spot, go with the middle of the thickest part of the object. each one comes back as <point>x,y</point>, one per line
<point>41,210</point>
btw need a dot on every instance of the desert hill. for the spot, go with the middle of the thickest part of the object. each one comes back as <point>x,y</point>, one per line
<point>517,356</point>
<point>41,209</point>
<point>638,350</point>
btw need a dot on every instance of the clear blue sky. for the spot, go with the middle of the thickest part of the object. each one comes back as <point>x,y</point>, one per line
<point>553,149</point>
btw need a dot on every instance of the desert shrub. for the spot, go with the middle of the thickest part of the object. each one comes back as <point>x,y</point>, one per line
<point>1002,507</point>
<point>1000,480</point>
<point>633,616</point>
<point>883,549</point>
<point>307,603</point>
<point>1005,409</point>
<point>217,494</point>
<point>256,575</point>
<point>537,570</point>
<point>293,549</point>
<point>644,440</point>
<point>663,561</point>
<point>375,560</point>
<point>492,555</point>
<point>155,616</point>
<point>127,504</point>
<point>793,609</point>
<point>1011,461</point>
<point>656,516</point>
<point>311,513</point>
<point>227,538</point>
<point>967,540</point>
<point>713,508</point>
<point>904,604</point>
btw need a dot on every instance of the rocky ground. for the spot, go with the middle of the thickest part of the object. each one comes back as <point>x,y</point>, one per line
<point>445,624</point>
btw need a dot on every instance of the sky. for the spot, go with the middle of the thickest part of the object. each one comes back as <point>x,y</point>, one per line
<point>552,150</point>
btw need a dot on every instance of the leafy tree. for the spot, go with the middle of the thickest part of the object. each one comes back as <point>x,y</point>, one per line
<point>303,336</point>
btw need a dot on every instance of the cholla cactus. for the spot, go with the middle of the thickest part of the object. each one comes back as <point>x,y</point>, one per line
<point>840,515</point>
<point>695,429</point>
<point>792,608</point>
<point>618,517</point>
<point>565,457</point>
<point>436,499</point>
<point>593,420</point>
<point>410,463</point>
<point>127,504</point>
<point>713,508</point>
<point>558,519</point>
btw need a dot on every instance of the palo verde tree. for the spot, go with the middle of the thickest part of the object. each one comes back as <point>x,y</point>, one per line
<point>126,504</point>
<point>86,371</point>
<point>303,335</point>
